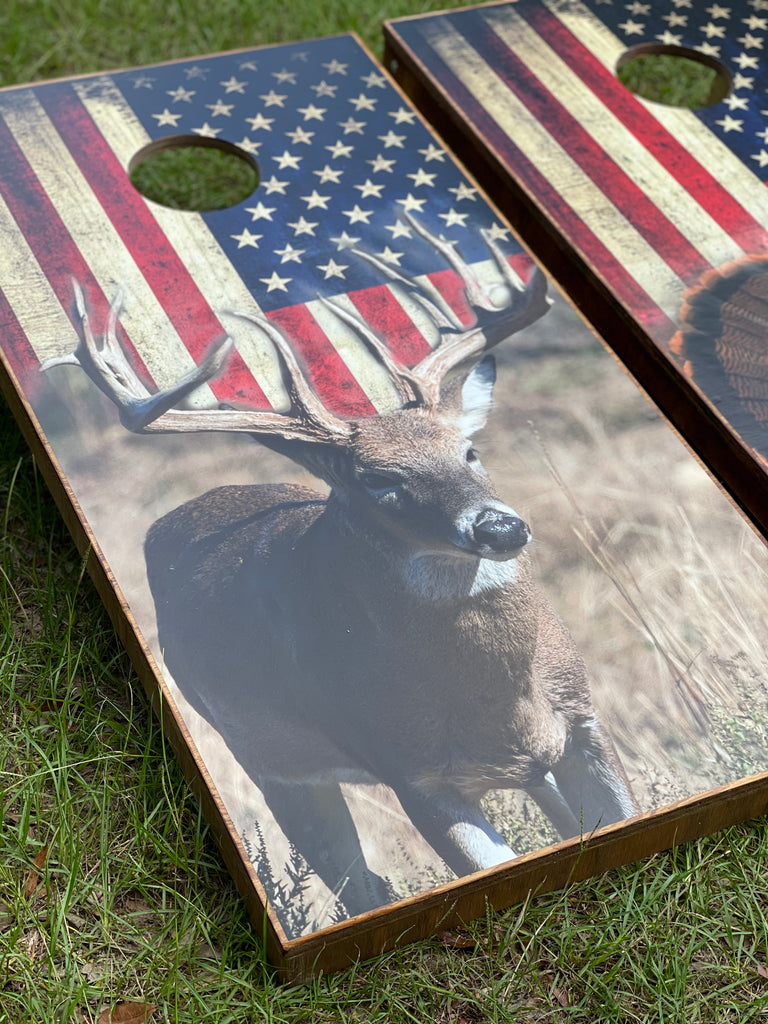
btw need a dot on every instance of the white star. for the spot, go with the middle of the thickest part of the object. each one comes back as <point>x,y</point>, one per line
<point>275,282</point>
<point>716,11</point>
<point>333,269</point>
<point>273,185</point>
<point>219,109</point>
<point>196,71</point>
<point>755,24</point>
<point>746,60</point>
<point>363,102</point>
<point>742,82</point>
<point>464,191</point>
<point>730,124</point>
<point>246,238</point>
<point>399,230</point>
<point>232,85</point>
<point>303,227</point>
<point>260,122</point>
<point>637,8</point>
<point>206,131</point>
<point>357,216</point>
<point>750,41</point>
<point>288,254</point>
<point>675,20</point>
<point>272,99</point>
<point>167,118</point>
<point>345,241</point>
<point>433,153</point>
<point>390,139</point>
<point>329,174</point>
<point>736,102</point>
<point>316,200</point>
<point>381,164</point>
<point>403,116</point>
<point>336,68</point>
<point>496,233</point>
<point>761,157</point>
<point>452,217</point>
<point>632,28</point>
<point>248,145</point>
<point>143,82</point>
<point>248,65</point>
<point>421,177</point>
<point>368,188</point>
<point>409,203</point>
<point>181,95</point>
<point>323,89</point>
<point>260,211</point>
<point>391,257</point>
<point>285,76</point>
<point>668,38</point>
<point>299,135</point>
<point>312,113</point>
<point>287,160</point>
<point>713,31</point>
<point>708,48</point>
<point>338,149</point>
<point>763,135</point>
<point>374,79</point>
<point>351,125</point>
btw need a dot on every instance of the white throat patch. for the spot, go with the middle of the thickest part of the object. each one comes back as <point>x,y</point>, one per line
<point>441,578</point>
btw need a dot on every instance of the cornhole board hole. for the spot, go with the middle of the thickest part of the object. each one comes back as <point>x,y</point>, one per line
<point>652,217</point>
<point>358,690</point>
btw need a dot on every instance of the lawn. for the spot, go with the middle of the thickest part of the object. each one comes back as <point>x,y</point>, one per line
<point>114,904</point>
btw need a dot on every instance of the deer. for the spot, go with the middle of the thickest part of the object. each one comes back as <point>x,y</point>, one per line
<point>391,628</point>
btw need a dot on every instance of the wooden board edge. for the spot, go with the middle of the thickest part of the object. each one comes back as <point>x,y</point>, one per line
<point>731,461</point>
<point>530,875</point>
<point>161,700</point>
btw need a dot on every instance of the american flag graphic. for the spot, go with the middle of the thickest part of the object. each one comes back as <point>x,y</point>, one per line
<point>650,196</point>
<point>342,158</point>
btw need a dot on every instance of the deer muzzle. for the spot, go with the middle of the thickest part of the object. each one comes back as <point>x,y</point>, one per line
<point>499,534</point>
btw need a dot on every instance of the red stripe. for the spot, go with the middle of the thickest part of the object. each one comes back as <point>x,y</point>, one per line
<point>620,190</point>
<point>23,362</point>
<point>544,196</point>
<point>329,375</point>
<point>708,192</point>
<point>164,271</point>
<point>41,225</point>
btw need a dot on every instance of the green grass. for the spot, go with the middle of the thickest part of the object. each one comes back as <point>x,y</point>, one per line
<point>133,902</point>
<point>674,80</point>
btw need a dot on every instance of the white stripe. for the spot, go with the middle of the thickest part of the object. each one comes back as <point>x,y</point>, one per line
<point>218,281</point>
<point>631,250</point>
<point>702,144</point>
<point>661,188</point>
<point>35,305</point>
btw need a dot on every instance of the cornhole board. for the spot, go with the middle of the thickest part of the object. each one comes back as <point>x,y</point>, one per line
<point>631,204</point>
<point>360,204</point>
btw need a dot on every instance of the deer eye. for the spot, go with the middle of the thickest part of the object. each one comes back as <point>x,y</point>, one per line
<point>379,481</point>
<point>472,455</point>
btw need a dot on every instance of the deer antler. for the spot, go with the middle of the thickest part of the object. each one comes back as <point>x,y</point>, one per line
<point>509,308</point>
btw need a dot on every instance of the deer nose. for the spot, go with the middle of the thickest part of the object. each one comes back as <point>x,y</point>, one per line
<point>501,531</point>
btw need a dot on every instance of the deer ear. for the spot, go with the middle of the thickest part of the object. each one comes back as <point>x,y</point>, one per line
<point>470,397</point>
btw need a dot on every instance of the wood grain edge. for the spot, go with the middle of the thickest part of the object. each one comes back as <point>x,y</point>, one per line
<point>160,699</point>
<point>732,462</point>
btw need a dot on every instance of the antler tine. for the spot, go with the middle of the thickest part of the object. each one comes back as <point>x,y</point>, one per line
<point>109,368</point>
<point>407,384</point>
<point>319,424</point>
<point>437,315</point>
<point>476,295</point>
